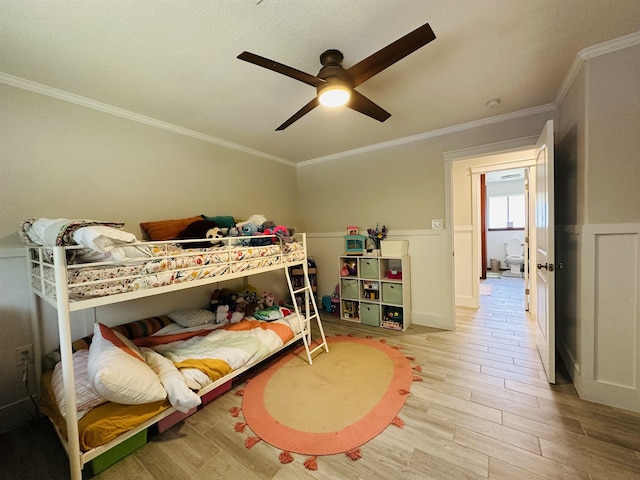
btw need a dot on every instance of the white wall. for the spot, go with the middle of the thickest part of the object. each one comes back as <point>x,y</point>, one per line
<point>598,236</point>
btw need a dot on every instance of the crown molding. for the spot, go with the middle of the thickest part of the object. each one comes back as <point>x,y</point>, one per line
<point>48,91</point>
<point>434,133</point>
<point>592,52</point>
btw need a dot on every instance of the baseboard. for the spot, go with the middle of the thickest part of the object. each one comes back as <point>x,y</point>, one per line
<point>432,320</point>
<point>15,414</point>
<point>467,302</point>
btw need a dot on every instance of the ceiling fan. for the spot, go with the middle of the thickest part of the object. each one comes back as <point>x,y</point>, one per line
<point>333,80</point>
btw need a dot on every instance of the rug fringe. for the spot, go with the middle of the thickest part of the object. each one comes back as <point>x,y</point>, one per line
<point>404,391</point>
<point>311,463</point>
<point>354,454</point>
<point>417,368</point>
<point>416,378</point>
<point>251,441</point>
<point>239,426</point>
<point>235,411</point>
<point>285,457</point>
<point>410,357</point>
<point>398,422</point>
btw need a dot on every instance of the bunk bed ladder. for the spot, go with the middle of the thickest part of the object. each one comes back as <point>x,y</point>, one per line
<point>309,314</point>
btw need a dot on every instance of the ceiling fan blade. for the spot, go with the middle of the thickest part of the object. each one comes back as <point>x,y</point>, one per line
<point>280,68</point>
<point>300,113</point>
<point>362,104</point>
<point>390,54</point>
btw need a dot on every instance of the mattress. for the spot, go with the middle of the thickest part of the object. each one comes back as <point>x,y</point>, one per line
<point>169,264</point>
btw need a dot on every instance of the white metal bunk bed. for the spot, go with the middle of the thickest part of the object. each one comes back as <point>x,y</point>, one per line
<point>52,281</point>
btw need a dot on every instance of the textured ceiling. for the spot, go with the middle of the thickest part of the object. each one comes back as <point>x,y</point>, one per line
<point>175,61</point>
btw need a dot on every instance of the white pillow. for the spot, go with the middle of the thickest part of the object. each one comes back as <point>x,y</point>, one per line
<point>86,396</point>
<point>193,318</point>
<point>107,244</point>
<point>180,396</point>
<point>118,371</point>
<point>101,238</point>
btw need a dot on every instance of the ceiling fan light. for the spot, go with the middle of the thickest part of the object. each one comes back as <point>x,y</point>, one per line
<point>334,96</point>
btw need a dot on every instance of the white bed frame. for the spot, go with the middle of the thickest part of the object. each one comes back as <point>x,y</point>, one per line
<point>64,306</point>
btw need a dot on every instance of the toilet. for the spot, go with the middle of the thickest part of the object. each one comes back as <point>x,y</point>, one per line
<point>515,256</point>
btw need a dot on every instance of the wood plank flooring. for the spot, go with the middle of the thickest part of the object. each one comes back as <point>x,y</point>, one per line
<point>482,410</point>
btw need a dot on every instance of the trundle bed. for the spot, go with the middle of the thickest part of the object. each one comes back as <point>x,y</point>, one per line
<point>205,356</point>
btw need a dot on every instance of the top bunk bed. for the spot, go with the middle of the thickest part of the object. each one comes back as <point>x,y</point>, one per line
<point>88,264</point>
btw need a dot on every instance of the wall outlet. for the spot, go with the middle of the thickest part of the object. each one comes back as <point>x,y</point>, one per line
<point>436,224</point>
<point>22,353</point>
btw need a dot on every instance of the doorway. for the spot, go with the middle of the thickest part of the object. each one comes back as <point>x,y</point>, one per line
<point>503,222</point>
<point>464,169</point>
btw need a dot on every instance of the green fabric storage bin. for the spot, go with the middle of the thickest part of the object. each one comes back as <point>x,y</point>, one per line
<point>370,314</point>
<point>392,293</point>
<point>369,268</point>
<point>118,452</point>
<point>349,288</point>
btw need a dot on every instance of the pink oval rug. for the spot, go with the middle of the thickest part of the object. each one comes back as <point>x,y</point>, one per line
<point>346,398</point>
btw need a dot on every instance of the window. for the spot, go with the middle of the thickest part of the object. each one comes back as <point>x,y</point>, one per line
<point>506,211</point>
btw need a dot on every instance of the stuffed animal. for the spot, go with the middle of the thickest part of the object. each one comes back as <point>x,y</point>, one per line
<point>223,296</point>
<point>249,229</point>
<point>200,229</point>
<point>257,219</point>
<point>283,233</point>
<point>268,299</point>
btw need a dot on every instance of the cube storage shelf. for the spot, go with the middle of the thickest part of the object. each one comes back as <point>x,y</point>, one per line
<point>377,291</point>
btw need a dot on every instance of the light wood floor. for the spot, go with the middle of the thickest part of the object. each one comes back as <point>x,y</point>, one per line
<point>482,410</point>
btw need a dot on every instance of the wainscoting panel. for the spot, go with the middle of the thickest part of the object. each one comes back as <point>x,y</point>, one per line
<point>615,319</point>
<point>611,320</point>
<point>466,280</point>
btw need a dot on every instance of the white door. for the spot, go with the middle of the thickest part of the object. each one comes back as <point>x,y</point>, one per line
<point>527,227</point>
<point>544,252</point>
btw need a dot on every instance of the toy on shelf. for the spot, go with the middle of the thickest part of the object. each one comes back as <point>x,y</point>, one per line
<point>370,290</point>
<point>354,244</point>
<point>392,318</point>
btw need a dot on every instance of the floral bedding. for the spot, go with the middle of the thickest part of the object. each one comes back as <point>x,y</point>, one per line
<point>169,265</point>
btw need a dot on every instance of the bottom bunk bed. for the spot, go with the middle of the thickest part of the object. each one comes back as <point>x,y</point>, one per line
<point>138,388</point>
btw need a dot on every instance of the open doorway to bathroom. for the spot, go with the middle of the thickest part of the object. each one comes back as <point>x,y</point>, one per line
<point>464,171</point>
<point>503,223</point>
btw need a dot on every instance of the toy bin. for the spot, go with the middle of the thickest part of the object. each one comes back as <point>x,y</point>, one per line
<point>118,452</point>
<point>392,293</point>
<point>394,248</point>
<point>370,314</point>
<point>369,268</point>
<point>394,274</point>
<point>349,288</point>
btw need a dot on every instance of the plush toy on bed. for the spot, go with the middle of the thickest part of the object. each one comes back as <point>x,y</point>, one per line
<point>224,302</point>
<point>268,299</point>
<point>201,229</point>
